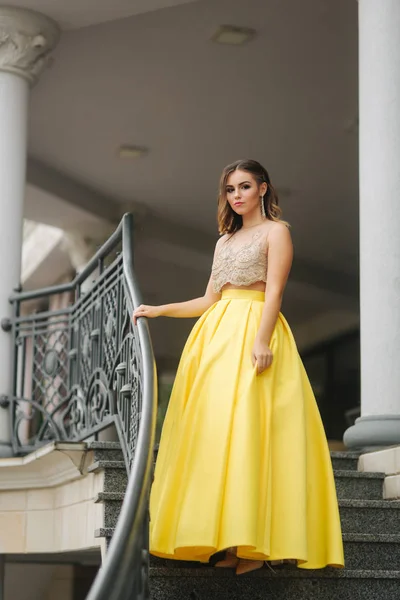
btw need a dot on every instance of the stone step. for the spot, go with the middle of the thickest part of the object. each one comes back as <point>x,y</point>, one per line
<point>106,464</point>
<point>104,532</point>
<point>356,485</point>
<point>377,552</point>
<point>97,444</point>
<point>112,506</point>
<point>357,516</point>
<point>350,484</point>
<point>288,583</point>
<point>106,450</point>
<point>115,475</point>
<point>372,551</point>
<point>342,461</point>
<point>345,461</point>
<point>110,497</point>
<point>370,516</point>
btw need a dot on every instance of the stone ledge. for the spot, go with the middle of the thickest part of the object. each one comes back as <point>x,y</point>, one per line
<point>391,487</point>
<point>385,461</point>
<point>47,501</point>
<point>51,465</point>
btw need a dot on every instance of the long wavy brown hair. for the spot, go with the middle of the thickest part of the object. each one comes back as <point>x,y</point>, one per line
<point>228,220</point>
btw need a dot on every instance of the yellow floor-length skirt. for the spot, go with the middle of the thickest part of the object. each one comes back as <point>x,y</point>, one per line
<point>243,458</point>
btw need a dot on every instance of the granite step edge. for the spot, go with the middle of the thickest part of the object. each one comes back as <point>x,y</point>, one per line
<point>103,446</point>
<point>345,503</point>
<point>109,497</point>
<point>354,503</point>
<point>104,532</point>
<point>372,538</point>
<point>358,474</point>
<point>289,572</point>
<point>106,464</point>
<point>362,538</point>
<point>345,455</point>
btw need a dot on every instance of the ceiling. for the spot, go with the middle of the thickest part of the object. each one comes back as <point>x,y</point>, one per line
<point>83,13</point>
<point>287,98</point>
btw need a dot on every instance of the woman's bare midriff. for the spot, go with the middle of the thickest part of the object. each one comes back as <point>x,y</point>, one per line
<point>259,286</point>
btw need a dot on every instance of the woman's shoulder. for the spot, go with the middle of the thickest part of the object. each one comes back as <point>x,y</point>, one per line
<point>279,234</point>
<point>277,228</point>
<point>221,240</point>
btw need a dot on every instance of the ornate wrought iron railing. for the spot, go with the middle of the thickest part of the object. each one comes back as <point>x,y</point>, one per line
<point>81,368</point>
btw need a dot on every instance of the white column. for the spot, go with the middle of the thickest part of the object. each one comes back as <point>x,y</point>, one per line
<point>26,39</point>
<point>379,107</point>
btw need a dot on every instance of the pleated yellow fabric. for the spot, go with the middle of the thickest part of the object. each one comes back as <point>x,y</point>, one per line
<point>243,458</point>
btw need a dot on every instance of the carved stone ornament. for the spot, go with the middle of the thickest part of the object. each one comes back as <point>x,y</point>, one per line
<point>26,41</point>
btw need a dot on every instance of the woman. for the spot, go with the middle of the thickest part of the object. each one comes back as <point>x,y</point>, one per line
<point>243,463</point>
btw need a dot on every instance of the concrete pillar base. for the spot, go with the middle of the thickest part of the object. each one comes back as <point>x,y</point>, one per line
<point>372,432</point>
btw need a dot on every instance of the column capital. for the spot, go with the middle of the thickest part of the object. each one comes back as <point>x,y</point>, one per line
<point>26,41</point>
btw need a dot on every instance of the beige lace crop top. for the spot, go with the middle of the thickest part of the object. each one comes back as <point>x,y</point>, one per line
<point>240,259</point>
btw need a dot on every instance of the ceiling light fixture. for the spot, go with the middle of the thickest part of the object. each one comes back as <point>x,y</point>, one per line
<point>232,35</point>
<point>131,152</point>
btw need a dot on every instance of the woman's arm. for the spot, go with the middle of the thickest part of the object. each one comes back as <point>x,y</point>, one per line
<point>180,310</point>
<point>280,256</point>
<point>190,308</point>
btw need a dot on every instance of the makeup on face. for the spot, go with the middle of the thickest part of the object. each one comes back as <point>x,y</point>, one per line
<point>241,194</point>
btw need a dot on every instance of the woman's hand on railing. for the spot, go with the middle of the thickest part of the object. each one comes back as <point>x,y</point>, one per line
<point>145,310</point>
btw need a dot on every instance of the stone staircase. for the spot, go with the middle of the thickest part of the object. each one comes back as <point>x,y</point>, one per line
<point>371,533</point>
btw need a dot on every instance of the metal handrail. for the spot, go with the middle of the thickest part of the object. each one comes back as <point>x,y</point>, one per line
<point>116,578</point>
<point>123,231</point>
<point>124,573</point>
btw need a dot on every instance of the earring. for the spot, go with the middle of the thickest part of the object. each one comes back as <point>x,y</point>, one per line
<point>262,207</point>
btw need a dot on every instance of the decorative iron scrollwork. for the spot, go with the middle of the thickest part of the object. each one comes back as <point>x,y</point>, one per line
<point>82,367</point>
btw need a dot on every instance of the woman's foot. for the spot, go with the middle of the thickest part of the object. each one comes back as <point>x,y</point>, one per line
<point>245,566</point>
<point>282,562</point>
<point>230,561</point>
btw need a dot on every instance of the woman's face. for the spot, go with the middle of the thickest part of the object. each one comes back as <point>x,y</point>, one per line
<point>243,192</point>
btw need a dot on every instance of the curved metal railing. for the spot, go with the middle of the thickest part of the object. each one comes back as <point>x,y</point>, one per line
<point>124,575</point>
<point>81,368</point>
